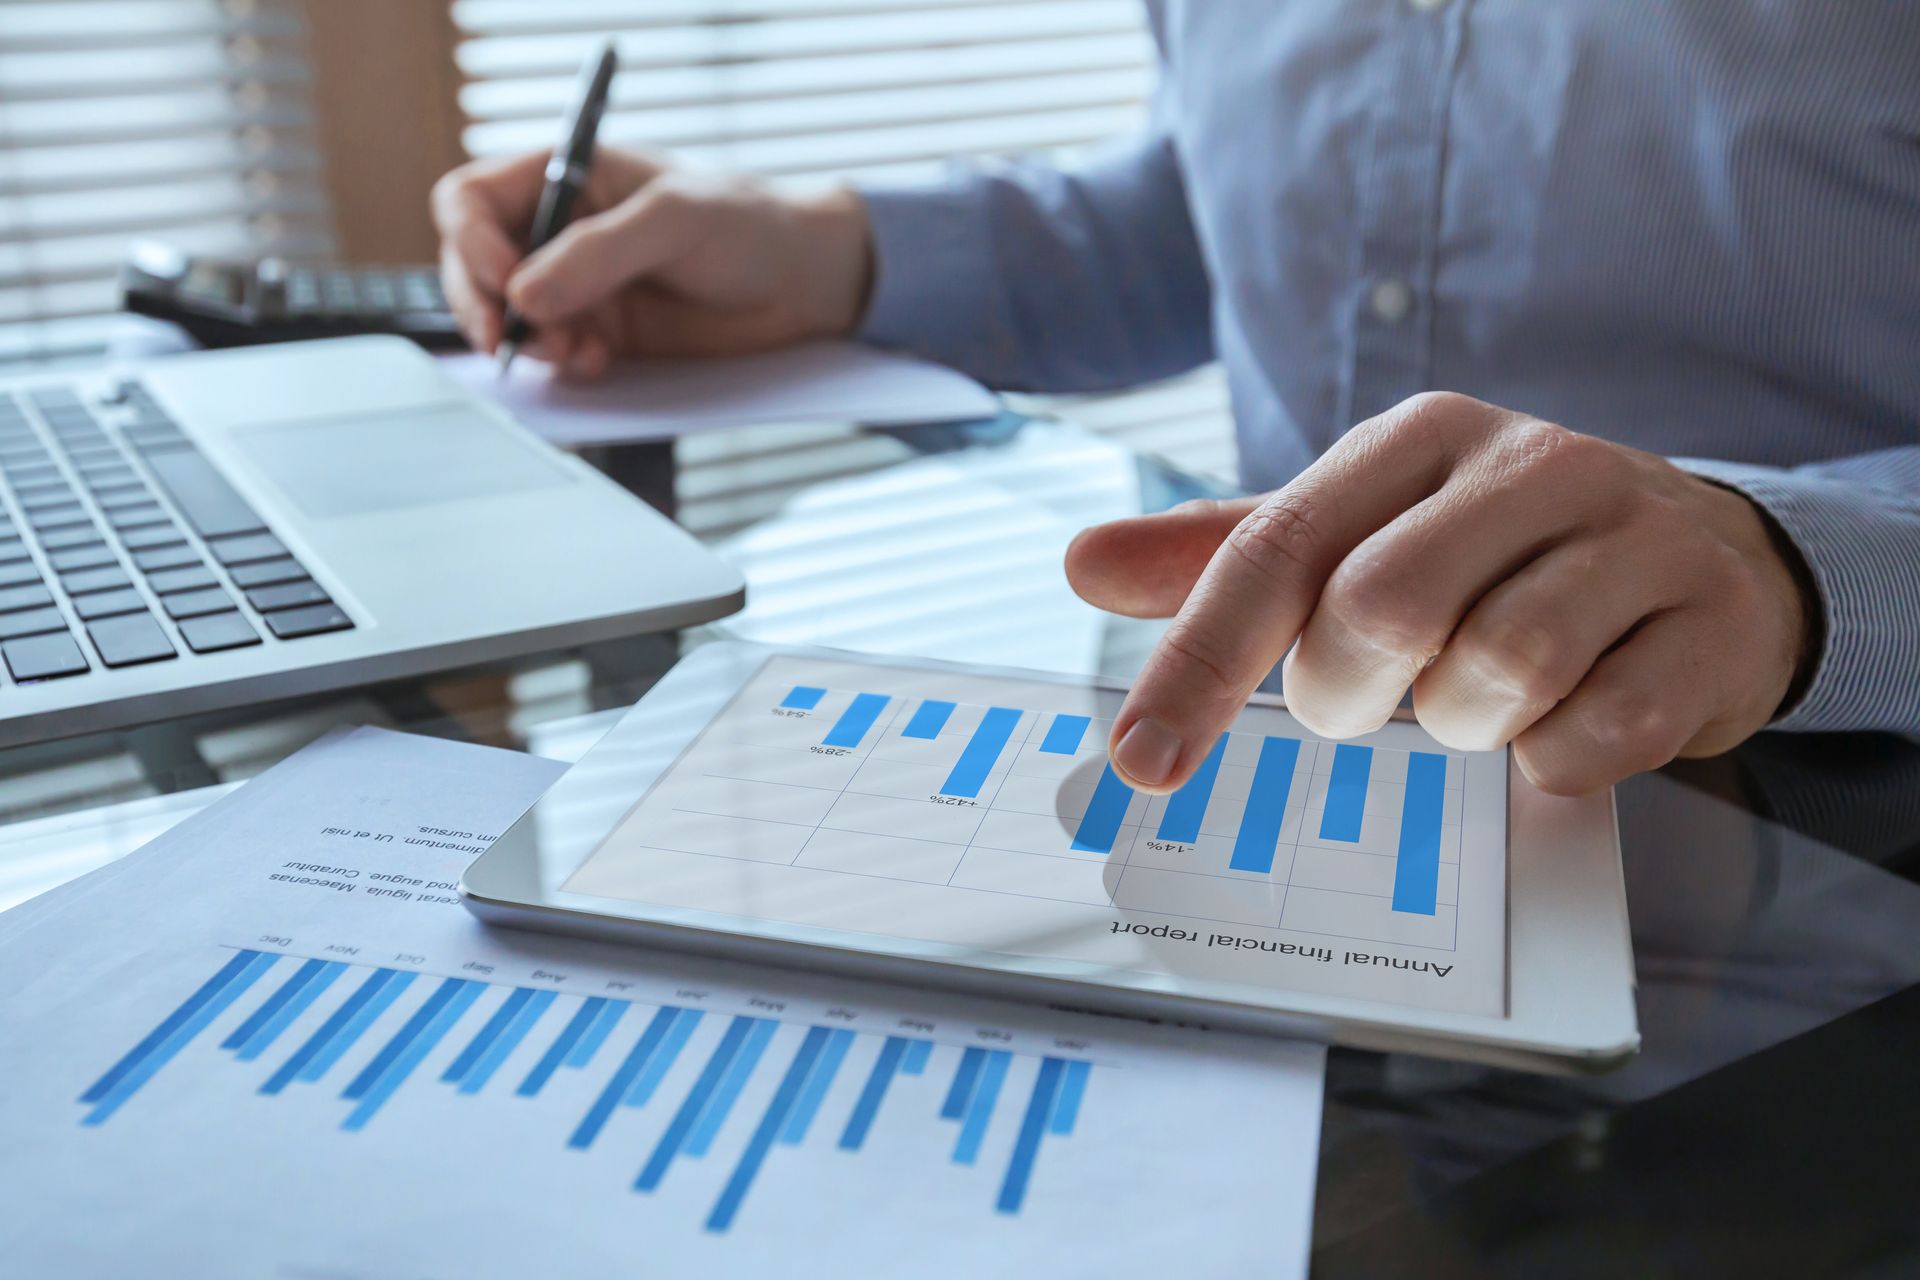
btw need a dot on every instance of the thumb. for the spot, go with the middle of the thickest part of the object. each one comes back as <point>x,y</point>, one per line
<point>597,256</point>
<point>1144,566</point>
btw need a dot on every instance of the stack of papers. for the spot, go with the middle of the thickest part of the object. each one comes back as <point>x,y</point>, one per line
<point>273,1042</point>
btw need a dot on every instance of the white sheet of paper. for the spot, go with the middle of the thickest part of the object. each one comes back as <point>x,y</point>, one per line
<point>208,1075</point>
<point>659,399</point>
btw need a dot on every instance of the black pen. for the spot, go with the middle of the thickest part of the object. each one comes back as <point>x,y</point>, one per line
<point>566,175</point>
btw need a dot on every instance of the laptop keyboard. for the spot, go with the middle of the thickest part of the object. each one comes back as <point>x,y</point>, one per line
<point>122,544</point>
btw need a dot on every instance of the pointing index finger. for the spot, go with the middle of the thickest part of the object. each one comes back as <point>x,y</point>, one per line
<point>1261,585</point>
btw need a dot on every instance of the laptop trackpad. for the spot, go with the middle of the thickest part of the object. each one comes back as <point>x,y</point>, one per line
<point>354,466</point>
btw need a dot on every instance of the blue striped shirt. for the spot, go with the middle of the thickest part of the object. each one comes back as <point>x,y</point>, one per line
<point>1691,226</point>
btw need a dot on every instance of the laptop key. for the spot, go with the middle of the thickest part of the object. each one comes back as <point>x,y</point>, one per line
<point>109,578</point>
<point>124,496</point>
<point>44,657</point>
<point>106,604</point>
<point>39,499</point>
<point>78,535</point>
<point>153,535</point>
<point>191,604</point>
<point>265,572</point>
<point>217,631</point>
<point>258,546</point>
<point>129,640</point>
<point>18,574</point>
<point>12,549</point>
<point>34,596</point>
<point>291,624</point>
<point>58,517</point>
<point>287,595</point>
<point>91,556</point>
<point>136,514</point>
<point>213,507</point>
<point>191,578</point>
<point>172,557</point>
<point>31,622</point>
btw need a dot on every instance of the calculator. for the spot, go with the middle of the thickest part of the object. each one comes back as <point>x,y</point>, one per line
<point>223,303</point>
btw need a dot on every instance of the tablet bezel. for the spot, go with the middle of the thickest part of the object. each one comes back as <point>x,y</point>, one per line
<point>1569,965</point>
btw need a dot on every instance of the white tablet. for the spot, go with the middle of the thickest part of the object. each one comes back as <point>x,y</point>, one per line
<point>933,822</point>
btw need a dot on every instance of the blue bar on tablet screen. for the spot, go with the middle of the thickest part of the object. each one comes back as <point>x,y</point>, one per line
<point>1253,847</point>
<point>803,697</point>
<point>1100,825</point>
<point>1187,806</point>
<point>1064,735</point>
<point>855,720</point>
<point>982,751</point>
<point>1346,793</point>
<point>928,720</point>
<point>1416,871</point>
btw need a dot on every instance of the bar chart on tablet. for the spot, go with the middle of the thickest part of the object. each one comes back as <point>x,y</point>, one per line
<point>1352,841</point>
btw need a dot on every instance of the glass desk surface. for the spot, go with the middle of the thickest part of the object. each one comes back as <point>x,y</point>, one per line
<point>1766,1127</point>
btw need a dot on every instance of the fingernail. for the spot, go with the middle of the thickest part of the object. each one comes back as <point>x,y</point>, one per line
<point>1147,752</point>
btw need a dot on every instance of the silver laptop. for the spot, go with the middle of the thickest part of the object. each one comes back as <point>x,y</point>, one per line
<point>229,527</point>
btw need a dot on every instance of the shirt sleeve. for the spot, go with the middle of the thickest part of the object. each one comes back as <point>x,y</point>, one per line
<point>1044,279</point>
<point>1856,522</point>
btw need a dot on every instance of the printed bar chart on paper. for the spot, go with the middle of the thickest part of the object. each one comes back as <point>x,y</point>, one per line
<point>481,1024</point>
<point>1374,867</point>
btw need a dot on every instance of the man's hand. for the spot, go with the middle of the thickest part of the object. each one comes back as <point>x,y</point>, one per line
<point>1595,606</point>
<point>658,261</point>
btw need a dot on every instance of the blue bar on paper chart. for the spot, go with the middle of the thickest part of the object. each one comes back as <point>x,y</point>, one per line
<point>159,1050</point>
<point>982,750</point>
<point>971,1060</point>
<point>918,1051</point>
<point>721,1105</point>
<point>1253,847</point>
<point>1033,1127</point>
<point>623,1077</point>
<point>212,987</point>
<point>785,1099</point>
<point>459,999</point>
<point>1066,1104</point>
<point>649,1080</point>
<point>1346,793</point>
<point>263,1039</point>
<point>509,1009</point>
<point>324,1047</point>
<point>589,1044</point>
<point>1185,807</point>
<point>1100,826</point>
<point>1416,872</point>
<point>803,697</point>
<point>1064,735</point>
<point>556,1053</point>
<point>928,720</point>
<point>273,1004</point>
<point>398,1042</point>
<point>818,1083</point>
<point>505,1043</point>
<point>694,1103</point>
<point>855,720</point>
<point>986,1092</point>
<point>874,1092</point>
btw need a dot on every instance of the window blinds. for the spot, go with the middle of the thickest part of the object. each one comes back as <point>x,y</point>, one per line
<point>183,119</point>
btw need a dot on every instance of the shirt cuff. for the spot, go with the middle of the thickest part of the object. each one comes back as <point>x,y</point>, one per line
<point>1855,554</point>
<point>934,287</point>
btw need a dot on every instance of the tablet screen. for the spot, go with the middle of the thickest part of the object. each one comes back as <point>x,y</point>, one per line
<point>978,812</point>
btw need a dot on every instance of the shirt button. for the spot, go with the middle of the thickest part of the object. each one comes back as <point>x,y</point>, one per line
<point>1390,300</point>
